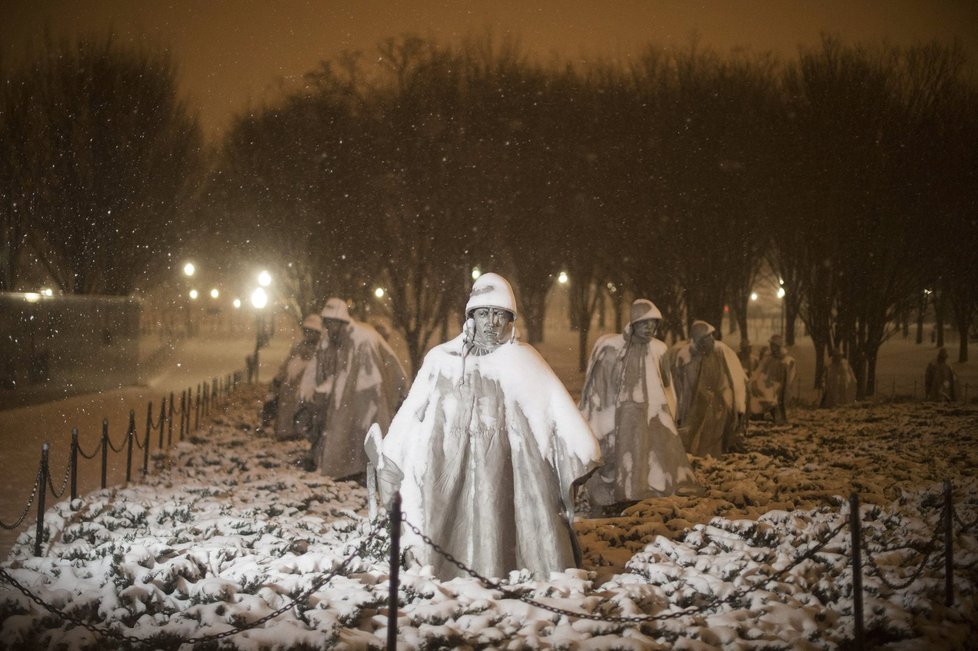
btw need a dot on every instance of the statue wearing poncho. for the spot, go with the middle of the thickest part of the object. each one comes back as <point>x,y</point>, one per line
<point>486,449</point>
<point>629,401</point>
<point>711,393</point>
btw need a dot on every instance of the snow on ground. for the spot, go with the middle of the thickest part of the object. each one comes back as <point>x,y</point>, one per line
<point>226,530</point>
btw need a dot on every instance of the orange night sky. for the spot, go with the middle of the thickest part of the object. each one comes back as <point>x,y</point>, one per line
<point>232,53</point>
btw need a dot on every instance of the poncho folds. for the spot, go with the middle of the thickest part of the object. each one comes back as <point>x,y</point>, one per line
<point>711,397</point>
<point>288,379</point>
<point>358,381</point>
<point>771,384</point>
<point>629,402</point>
<point>489,447</point>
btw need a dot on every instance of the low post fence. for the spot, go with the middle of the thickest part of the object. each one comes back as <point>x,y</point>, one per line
<point>396,519</point>
<point>44,482</point>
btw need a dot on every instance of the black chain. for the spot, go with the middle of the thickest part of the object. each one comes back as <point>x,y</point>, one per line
<point>159,422</point>
<point>965,526</point>
<point>108,439</point>
<point>64,482</point>
<point>30,500</point>
<point>98,449</point>
<point>929,549</point>
<point>638,619</point>
<point>139,446</point>
<point>116,635</point>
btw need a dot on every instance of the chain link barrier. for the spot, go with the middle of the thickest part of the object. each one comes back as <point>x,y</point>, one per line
<point>175,642</point>
<point>117,450</point>
<point>634,619</point>
<point>30,501</point>
<point>929,548</point>
<point>64,482</point>
<point>965,526</point>
<point>139,446</point>
<point>98,448</point>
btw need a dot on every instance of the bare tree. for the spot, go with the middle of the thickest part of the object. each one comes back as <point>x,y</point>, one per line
<point>100,155</point>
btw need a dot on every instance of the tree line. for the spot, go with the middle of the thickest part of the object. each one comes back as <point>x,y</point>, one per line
<point>682,175</point>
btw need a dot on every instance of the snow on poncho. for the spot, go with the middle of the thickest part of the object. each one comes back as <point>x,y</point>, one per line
<point>711,396</point>
<point>771,384</point>
<point>489,447</point>
<point>288,380</point>
<point>357,382</point>
<point>629,401</point>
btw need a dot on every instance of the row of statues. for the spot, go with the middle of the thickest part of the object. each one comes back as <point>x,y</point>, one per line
<point>488,449</point>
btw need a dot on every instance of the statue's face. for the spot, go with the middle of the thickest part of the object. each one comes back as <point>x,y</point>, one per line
<point>310,336</point>
<point>704,343</point>
<point>333,327</point>
<point>645,330</point>
<point>493,326</point>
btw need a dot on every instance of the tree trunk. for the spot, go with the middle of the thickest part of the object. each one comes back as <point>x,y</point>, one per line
<point>939,317</point>
<point>582,350</point>
<point>790,315</point>
<point>921,311</point>
<point>820,346</point>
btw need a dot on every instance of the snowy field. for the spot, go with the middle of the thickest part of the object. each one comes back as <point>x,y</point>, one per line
<point>227,530</point>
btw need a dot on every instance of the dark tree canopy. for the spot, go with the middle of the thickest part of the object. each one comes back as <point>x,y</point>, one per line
<point>97,156</point>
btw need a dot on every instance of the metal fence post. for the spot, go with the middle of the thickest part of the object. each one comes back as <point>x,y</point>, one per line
<point>395,568</point>
<point>130,435</point>
<point>183,411</point>
<point>197,410</point>
<point>169,424</point>
<point>162,419</point>
<point>74,463</point>
<point>42,488</point>
<point>149,427</point>
<point>105,448</point>
<point>855,528</point>
<point>948,545</point>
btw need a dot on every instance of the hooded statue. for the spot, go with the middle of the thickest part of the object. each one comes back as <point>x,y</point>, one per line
<point>840,382</point>
<point>285,387</point>
<point>630,402</point>
<point>356,381</point>
<point>771,382</point>
<point>711,392</point>
<point>486,449</point>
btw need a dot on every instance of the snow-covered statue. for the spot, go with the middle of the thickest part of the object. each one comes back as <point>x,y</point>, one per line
<point>711,392</point>
<point>356,381</point>
<point>771,381</point>
<point>839,387</point>
<point>630,402</point>
<point>487,448</point>
<point>284,390</point>
<point>940,381</point>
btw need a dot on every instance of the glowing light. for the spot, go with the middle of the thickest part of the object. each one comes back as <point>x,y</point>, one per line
<point>215,293</point>
<point>47,291</point>
<point>236,303</point>
<point>562,278</point>
<point>32,297</point>
<point>753,296</point>
<point>379,292</point>
<point>259,298</point>
<point>264,279</point>
<point>189,269</point>
<point>476,272</point>
<point>193,294</point>
<point>780,292</point>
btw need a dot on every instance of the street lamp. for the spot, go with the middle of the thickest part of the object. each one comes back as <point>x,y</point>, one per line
<point>189,269</point>
<point>259,299</point>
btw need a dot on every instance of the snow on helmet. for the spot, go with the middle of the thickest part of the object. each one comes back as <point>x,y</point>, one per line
<point>642,310</point>
<point>491,290</point>
<point>313,322</point>
<point>700,329</point>
<point>335,308</point>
